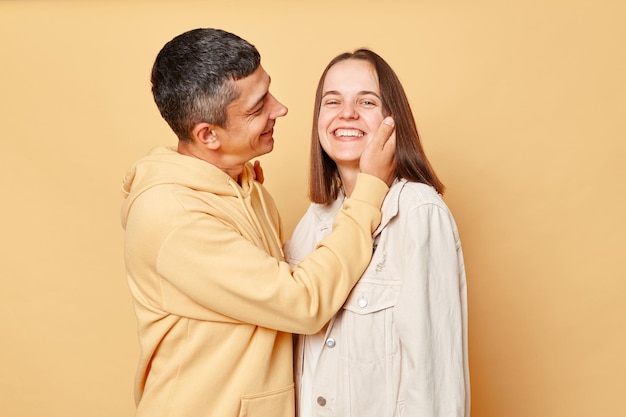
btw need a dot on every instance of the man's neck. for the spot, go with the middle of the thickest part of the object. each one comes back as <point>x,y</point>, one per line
<point>214,158</point>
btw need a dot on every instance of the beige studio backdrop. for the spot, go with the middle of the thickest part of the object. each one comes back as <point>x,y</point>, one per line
<point>521,106</point>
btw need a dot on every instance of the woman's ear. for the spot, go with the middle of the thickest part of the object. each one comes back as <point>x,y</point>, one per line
<point>205,134</point>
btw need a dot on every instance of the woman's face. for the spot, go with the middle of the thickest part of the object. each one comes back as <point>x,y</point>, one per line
<point>351,111</point>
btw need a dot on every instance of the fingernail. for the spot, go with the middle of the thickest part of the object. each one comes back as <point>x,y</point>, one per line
<point>388,121</point>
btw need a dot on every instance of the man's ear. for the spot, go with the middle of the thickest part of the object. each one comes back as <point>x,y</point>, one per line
<point>205,134</point>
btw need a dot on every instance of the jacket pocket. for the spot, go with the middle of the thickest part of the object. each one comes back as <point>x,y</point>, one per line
<point>278,403</point>
<point>369,296</point>
<point>367,320</point>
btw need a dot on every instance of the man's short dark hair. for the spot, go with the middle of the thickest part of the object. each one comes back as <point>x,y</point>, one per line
<point>193,74</point>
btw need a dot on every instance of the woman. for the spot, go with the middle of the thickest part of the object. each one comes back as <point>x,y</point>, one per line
<point>398,347</point>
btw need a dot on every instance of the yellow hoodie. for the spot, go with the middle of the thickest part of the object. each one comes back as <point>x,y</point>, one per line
<point>215,302</point>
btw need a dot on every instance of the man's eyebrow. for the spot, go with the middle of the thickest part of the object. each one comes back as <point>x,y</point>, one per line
<point>259,101</point>
<point>262,98</point>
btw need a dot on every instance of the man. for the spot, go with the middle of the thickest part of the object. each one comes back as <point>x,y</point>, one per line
<point>215,302</point>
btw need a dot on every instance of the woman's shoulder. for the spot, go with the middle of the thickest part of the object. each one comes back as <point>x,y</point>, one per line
<point>421,201</point>
<point>417,193</point>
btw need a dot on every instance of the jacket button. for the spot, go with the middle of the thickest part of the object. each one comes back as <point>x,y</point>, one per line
<point>321,401</point>
<point>330,342</point>
<point>362,302</point>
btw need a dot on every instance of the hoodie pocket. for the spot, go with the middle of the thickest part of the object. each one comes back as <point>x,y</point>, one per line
<point>278,403</point>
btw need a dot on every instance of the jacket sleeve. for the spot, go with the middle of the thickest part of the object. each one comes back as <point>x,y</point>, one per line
<point>431,315</point>
<point>228,278</point>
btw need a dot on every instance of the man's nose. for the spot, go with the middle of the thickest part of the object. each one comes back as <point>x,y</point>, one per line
<point>280,110</point>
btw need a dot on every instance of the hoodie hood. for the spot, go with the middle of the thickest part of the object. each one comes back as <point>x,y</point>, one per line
<point>164,165</point>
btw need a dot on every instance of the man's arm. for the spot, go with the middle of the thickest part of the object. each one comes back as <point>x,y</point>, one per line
<point>209,271</point>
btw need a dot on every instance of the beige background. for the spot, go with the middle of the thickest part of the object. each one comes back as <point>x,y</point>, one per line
<point>521,106</point>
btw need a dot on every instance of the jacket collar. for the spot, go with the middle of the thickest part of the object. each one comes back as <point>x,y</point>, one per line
<point>327,213</point>
<point>391,204</point>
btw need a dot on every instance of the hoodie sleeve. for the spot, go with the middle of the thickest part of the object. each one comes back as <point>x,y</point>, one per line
<point>304,238</point>
<point>206,270</point>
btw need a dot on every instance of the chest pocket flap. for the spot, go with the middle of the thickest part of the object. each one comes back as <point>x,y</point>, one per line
<point>370,296</point>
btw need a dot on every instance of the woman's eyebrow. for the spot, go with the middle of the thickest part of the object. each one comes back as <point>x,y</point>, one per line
<point>360,93</point>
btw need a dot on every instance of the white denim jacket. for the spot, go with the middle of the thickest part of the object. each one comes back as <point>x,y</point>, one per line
<point>398,347</point>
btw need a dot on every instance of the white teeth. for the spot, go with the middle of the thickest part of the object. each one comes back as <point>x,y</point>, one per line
<point>349,132</point>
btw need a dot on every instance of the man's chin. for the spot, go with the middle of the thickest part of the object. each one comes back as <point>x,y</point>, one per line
<point>266,148</point>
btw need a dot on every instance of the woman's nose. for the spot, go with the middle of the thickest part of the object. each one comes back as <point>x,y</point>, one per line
<point>349,112</point>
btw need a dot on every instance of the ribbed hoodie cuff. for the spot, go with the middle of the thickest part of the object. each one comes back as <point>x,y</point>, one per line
<point>369,189</point>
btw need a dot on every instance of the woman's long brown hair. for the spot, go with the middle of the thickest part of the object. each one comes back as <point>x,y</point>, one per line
<point>412,164</point>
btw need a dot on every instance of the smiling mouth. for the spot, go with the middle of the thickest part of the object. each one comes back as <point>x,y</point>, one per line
<point>269,132</point>
<point>348,133</point>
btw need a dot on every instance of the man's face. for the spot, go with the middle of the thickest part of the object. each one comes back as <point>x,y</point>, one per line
<point>249,131</point>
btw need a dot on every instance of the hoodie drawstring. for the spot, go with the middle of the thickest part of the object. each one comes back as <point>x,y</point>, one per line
<point>267,215</point>
<point>253,219</point>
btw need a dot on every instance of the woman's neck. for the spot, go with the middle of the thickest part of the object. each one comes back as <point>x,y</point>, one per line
<point>348,179</point>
